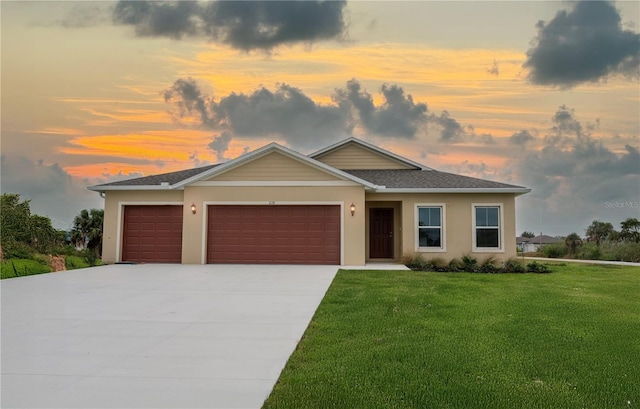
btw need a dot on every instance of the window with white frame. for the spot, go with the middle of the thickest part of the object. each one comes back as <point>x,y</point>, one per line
<point>430,234</point>
<point>487,227</point>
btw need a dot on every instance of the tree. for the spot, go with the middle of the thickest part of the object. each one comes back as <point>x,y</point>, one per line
<point>87,230</point>
<point>14,219</point>
<point>43,235</point>
<point>599,231</point>
<point>528,234</point>
<point>630,230</point>
<point>573,241</point>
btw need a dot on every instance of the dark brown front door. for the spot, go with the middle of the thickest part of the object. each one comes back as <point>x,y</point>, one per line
<point>380,233</point>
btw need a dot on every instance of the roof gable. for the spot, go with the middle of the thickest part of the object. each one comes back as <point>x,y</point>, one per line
<point>275,166</point>
<point>354,153</point>
<point>266,150</point>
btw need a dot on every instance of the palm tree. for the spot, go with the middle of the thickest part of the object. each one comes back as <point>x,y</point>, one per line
<point>87,230</point>
<point>573,241</point>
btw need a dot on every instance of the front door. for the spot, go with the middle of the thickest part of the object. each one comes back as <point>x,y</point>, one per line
<point>381,233</point>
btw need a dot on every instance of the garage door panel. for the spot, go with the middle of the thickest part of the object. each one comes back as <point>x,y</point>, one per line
<point>274,234</point>
<point>152,233</point>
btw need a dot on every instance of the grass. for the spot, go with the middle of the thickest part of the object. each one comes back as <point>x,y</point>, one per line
<point>25,267</point>
<point>22,267</point>
<point>74,262</point>
<point>456,340</point>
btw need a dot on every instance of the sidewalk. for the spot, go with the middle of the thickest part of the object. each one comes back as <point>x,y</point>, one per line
<point>562,260</point>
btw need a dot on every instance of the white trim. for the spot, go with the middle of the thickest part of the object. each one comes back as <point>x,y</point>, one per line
<point>382,189</point>
<point>120,221</point>
<point>205,213</point>
<point>443,223</point>
<point>476,249</point>
<point>276,183</point>
<point>265,150</point>
<point>99,188</point>
<point>372,147</point>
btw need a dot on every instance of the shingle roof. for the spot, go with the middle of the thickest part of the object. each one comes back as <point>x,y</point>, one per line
<point>425,179</point>
<point>156,180</point>
<point>544,239</point>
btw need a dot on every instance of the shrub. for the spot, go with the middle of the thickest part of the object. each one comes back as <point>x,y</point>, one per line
<point>513,265</point>
<point>488,265</point>
<point>623,251</point>
<point>90,257</point>
<point>16,249</point>
<point>414,261</point>
<point>555,250</point>
<point>75,262</point>
<point>535,267</point>
<point>439,264</point>
<point>589,251</point>
<point>469,264</point>
<point>455,265</point>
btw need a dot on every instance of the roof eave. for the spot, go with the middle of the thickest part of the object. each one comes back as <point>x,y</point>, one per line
<point>517,191</point>
<point>100,188</point>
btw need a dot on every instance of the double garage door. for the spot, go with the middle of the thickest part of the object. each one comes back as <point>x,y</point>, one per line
<point>288,234</point>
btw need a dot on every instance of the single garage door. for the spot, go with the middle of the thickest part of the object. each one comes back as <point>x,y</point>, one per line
<point>152,234</point>
<point>288,234</point>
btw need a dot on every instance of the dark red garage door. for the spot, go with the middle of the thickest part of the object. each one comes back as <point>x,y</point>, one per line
<point>274,234</point>
<point>152,234</point>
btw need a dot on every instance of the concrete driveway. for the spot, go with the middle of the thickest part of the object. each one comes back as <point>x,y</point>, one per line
<point>155,336</point>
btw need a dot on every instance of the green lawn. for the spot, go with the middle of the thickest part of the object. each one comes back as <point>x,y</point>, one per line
<point>22,267</point>
<point>25,267</point>
<point>380,339</point>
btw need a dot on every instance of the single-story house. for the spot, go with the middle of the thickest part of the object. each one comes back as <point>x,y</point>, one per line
<point>347,204</point>
<point>533,244</point>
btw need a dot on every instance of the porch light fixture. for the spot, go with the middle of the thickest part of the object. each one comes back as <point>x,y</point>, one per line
<point>353,209</point>
<point>193,208</point>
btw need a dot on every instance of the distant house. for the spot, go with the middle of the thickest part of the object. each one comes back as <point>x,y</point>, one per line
<point>533,244</point>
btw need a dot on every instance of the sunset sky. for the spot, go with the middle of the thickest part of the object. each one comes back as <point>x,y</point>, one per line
<point>541,94</point>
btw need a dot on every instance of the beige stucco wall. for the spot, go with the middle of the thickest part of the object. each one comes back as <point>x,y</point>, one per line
<point>352,156</point>
<point>194,227</point>
<point>113,227</point>
<point>274,166</point>
<point>458,222</point>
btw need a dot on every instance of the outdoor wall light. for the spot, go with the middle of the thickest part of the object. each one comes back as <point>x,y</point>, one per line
<point>193,208</point>
<point>353,209</point>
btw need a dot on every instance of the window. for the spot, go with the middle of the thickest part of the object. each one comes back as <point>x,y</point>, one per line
<point>430,229</point>
<point>487,227</point>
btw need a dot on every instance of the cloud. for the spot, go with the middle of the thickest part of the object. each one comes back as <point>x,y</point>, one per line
<point>188,98</point>
<point>574,175</point>
<point>158,19</point>
<point>451,129</point>
<point>267,24</point>
<point>495,69</point>
<point>84,15</point>
<point>220,144</point>
<point>52,191</point>
<point>242,25</point>
<point>585,44</point>
<point>398,116</point>
<point>521,137</point>
<point>286,112</point>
